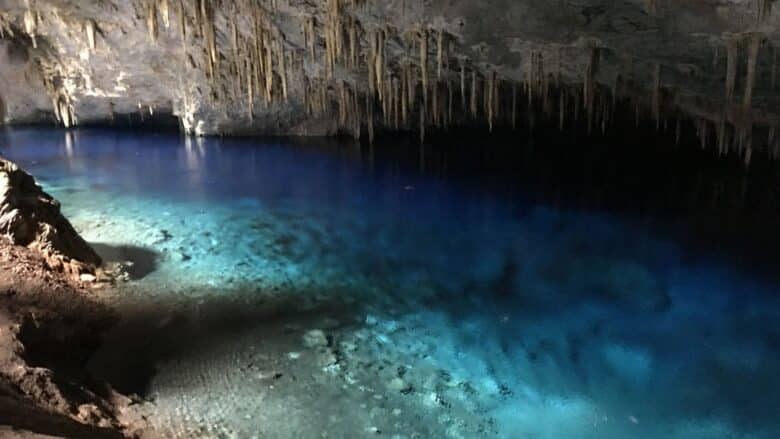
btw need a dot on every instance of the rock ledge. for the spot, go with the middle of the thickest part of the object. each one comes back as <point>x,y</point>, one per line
<point>30,217</point>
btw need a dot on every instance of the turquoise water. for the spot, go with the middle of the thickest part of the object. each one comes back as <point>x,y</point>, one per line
<point>479,307</point>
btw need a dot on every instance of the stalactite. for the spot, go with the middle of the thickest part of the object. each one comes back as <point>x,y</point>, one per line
<point>463,85</point>
<point>309,37</point>
<point>380,64</point>
<point>588,89</point>
<point>65,114</point>
<point>198,26</point>
<point>5,29</point>
<point>151,19</point>
<point>411,84</point>
<point>731,69</point>
<point>715,57</point>
<point>358,116</point>
<point>89,28</point>
<point>183,22</point>
<point>386,102</point>
<point>546,104</point>
<point>561,110</point>
<point>657,95</point>
<point>636,114</point>
<point>334,41</point>
<point>721,134</point>
<point>372,73</point>
<point>31,23</point>
<point>489,99</point>
<point>163,7</point>
<point>474,94</point>
<point>497,98</point>
<point>396,103</point>
<point>750,79</point>
<point>422,127</point>
<point>282,69</point>
<point>353,44</point>
<point>604,117</point>
<point>370,117</point>
<point>677,132</point>
<point>449,102</point>
<point>207,17</point>
<point>424,63</point>
<point>439,54</point>
<point>774,68</point>
<point>306,97</point>
<point>342,101</point>
<point>234,34</point>
<point>514,105</point>
<point>764,9</point>
<point>404,92</point>
<point>435,108</point>
<point>486,93</point>
<point>269,74</point>
<point>702,131</point>
<point>576,105</point>
<point>250,92</point>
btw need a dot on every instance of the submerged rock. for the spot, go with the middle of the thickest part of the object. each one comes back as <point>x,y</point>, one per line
<point>30,217</point>
<point>315,338</point>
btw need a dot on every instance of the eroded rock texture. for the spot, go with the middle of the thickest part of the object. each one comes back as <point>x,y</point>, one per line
<point>317,67</point>
<point>30,217</point>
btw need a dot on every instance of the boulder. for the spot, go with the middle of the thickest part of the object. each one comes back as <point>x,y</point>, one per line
<point>30,217</point>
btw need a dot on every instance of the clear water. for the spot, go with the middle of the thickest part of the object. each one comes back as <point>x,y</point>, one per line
<point>456,306</point>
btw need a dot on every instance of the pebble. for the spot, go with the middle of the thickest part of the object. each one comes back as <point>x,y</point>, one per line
<point>327,358</point>
<point>86,277</point>
<point>396,384</point>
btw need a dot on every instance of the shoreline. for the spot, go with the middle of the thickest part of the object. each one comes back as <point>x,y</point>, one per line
<point>51,325</point>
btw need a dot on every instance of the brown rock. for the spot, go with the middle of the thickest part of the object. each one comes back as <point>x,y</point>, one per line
<point>30,217</point>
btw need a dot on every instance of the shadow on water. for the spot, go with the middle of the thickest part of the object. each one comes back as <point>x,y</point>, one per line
<point>143,261</point>
<point>189,329</point>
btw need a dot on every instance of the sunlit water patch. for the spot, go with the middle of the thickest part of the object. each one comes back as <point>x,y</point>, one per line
<point>286,291</point>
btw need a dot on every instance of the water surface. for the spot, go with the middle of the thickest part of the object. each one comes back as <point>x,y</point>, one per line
<point>459,298</point>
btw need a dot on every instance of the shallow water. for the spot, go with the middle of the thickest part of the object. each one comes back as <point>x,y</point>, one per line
<point>453,304</point>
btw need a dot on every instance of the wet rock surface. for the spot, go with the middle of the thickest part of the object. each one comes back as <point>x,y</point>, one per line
<point>359,67</point>
<point>30,217</point>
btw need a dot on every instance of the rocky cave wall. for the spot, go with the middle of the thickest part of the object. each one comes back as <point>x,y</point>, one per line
<point>317,67</point>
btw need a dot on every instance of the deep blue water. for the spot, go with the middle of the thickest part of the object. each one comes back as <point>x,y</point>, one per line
<point>587,310</point>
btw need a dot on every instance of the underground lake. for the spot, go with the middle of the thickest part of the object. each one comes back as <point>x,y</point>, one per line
<point>323,288</point>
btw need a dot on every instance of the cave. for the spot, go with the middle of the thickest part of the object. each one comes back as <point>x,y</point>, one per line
<point>392,218</point>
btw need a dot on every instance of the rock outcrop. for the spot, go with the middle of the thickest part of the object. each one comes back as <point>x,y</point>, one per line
<point>49,328</point>
<point>708,68</point>
<point>30,217</point>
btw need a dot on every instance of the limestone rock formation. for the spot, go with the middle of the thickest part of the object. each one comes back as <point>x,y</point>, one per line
<point>360,66</point>
<point>30,217</point>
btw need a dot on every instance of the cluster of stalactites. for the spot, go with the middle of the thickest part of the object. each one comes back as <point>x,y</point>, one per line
<point>31,22</point>
<point>6,27</point>
<point>258,62</point>
<point>64,111</point>
<point>763,9</point>
<point>742,121</point>
<point>342,33</point>
<point>419,89</point>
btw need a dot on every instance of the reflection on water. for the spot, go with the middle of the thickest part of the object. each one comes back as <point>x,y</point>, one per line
<point>511,292</point>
